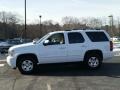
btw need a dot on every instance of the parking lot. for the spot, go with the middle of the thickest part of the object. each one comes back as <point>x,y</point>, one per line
<point>62,77</point>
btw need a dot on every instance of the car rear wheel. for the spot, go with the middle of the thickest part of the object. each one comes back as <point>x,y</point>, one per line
<point>93,61</point>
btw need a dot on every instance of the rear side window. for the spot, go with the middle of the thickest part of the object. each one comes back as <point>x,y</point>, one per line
<point>97,36</point>
<point>75,37</point>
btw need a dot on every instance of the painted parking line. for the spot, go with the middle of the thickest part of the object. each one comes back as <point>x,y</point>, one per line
<point>2,65</point>
<point>48,87</point>
<point>3,61</point>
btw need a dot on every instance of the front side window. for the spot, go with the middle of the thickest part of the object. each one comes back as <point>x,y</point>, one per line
<point>75,37</point>
<point>56,39</point>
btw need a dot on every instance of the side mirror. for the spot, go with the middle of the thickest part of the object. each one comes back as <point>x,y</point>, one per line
<point>46,42</point>
<point>35,40</point>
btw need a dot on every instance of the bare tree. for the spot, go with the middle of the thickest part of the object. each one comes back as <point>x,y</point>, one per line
<point>9,24</point>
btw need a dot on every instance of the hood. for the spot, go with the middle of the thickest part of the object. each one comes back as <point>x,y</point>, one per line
<point>21,46</point>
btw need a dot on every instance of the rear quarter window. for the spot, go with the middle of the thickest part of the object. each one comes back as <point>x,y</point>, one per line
<point>97,36</point>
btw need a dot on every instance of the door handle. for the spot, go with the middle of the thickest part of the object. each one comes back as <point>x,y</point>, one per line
<point>83,46</point>
<point>62,47</point>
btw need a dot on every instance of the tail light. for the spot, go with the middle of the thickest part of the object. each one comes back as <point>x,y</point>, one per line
<point>111,46</point>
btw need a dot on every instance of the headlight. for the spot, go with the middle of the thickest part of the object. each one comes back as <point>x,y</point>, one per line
<point>11,53</point>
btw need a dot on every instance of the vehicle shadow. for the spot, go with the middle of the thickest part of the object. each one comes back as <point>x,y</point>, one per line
<point>107,69</point>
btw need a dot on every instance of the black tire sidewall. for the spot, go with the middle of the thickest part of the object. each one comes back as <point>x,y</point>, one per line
<point>87,59</point>
<point>20,65</point>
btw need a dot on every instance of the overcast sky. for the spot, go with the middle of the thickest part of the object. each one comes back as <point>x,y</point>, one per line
<point>56,9</point>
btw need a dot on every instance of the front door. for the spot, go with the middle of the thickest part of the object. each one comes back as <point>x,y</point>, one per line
<point>54,50</point>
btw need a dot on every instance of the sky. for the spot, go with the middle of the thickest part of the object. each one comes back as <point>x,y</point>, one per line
<point>57,9</point>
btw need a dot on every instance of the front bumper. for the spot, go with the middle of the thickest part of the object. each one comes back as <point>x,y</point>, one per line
<point>11,62</point>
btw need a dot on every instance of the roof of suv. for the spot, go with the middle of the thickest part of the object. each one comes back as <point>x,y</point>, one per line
<point>78,31</point>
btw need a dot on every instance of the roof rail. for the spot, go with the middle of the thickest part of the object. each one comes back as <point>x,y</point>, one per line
<point>79,29</point>
<point>67,30</point>
<point>98,29</point>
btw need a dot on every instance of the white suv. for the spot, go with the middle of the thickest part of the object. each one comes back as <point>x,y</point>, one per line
<point>89,46</point>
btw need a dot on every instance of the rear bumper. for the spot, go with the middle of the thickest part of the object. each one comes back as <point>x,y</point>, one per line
<point>107,55</point>
<point>116,52</point>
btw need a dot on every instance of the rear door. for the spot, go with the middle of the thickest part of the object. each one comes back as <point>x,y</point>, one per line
<point>76,46</point>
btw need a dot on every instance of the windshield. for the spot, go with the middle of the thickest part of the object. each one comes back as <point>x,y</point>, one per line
<point>42,38</point>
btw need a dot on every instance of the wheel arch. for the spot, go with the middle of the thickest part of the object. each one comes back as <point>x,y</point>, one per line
<point>26,55</point>
<point>95,51</point>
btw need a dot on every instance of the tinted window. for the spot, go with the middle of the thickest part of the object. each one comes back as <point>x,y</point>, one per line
<point>75,37</point>
<point>97,36</point>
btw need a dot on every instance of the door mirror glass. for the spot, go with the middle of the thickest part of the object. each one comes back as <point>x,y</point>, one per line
<point>46,42</point>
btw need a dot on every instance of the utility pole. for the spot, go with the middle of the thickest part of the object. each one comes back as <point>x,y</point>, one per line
<point>40,25</point>
<point>119,27</point>
<point>25,35</point>
<point>4,24</point>
<point>111,24</point>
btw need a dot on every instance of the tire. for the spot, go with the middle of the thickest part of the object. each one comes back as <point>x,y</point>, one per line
<point>93,61</point>
<point>27,65</point>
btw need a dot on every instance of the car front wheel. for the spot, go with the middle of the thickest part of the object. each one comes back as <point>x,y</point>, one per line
<point>27,65</point>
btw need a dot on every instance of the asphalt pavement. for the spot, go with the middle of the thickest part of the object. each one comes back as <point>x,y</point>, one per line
<point>63,77</point>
